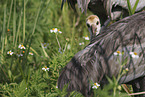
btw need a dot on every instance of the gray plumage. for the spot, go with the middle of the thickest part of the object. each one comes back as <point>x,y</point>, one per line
<point>104,8</point>
<point>97,60</point>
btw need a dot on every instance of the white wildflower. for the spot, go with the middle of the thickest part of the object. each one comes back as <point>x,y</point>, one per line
<point>30,53</point>
<point>86,37</point>
<point>134,55</point>
<point>55,30</point>
<point>19,54</point>
<point>81,43</point>
<point>21,46</point>
<point>117,53</point>
<point>95,85</point>
<point>10,52</point>
<point>45,68</point>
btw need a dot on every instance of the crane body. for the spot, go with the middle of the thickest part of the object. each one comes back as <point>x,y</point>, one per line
<point>97,60</point>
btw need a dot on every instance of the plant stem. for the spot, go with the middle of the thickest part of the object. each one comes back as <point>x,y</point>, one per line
<point>14,22</point>
<point>24,21</point>
<point>58,41</point>
<point>10,14</point>
<point>3,33</point>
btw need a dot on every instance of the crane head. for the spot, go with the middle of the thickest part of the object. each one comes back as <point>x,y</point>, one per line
<point>94,25</point>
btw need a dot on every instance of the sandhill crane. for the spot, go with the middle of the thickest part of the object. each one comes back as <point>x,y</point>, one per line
<point>104,8</point>
<point>123,40</point>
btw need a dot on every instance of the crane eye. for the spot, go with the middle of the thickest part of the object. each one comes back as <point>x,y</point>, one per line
<point>97,23</point>
<point>88,25</point>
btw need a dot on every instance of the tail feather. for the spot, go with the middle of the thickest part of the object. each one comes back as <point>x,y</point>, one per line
<point>76,77</point>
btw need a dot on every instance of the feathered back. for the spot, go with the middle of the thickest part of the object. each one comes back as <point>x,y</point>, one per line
<point>124,41</point>
<point>126,36</point>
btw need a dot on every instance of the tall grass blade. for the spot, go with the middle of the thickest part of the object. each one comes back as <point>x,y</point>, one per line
<point>34,50</point>
<point>46,55</point>
<point>24,62</point>
<point>18,30</point>
<point>129,7</point>
<point>10,14</point>
<point>3,33</point>
<point>24,21</point>
<point>14,22</point>
<point>36,18</point>
<point>135,5</point>
<point>21,70</point>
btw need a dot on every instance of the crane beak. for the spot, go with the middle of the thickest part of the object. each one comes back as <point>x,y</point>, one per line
<point>94,29</point>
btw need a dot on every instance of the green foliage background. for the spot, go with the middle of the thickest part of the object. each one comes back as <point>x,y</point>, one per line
<point>29,23</point>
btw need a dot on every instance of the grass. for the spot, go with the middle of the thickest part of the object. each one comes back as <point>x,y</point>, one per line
<point>28,22</point>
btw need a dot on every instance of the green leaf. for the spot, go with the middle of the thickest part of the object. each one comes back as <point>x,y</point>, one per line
<point>132,11</point>
<point>129,7</point>
<point>10,74</point>
<point>110,81</point>
<point>134,8</point>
